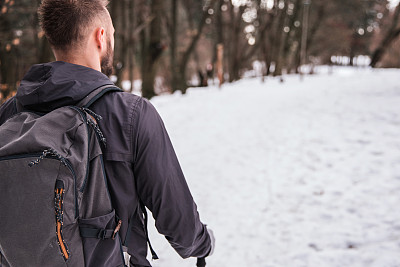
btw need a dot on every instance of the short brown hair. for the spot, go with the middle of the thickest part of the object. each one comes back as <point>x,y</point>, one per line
<point>65,22</point>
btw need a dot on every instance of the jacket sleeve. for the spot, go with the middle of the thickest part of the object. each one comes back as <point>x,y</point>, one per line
<point>163,189</point>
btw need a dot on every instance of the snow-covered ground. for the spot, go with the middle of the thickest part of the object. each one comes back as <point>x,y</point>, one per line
<point>300,173</point>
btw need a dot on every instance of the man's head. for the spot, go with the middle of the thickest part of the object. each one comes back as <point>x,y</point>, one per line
<point>79,31</point>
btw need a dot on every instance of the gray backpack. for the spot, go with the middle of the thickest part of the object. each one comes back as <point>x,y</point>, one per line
<point>55,209</point>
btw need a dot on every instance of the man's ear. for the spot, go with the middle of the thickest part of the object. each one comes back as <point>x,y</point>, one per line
<point>101,38</point>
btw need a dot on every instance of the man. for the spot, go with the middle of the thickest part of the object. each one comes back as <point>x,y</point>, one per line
<point>140,162</point>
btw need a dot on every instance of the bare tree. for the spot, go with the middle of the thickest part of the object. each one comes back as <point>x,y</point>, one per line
<point>179,73</point>
<point>391,35</point>
<point>152,48</point>
<point>20,43</point>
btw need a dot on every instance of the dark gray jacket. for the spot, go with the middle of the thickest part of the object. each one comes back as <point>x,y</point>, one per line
<point>140,161</point>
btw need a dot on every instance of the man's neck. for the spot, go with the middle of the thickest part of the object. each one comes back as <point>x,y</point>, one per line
<point>77,59</point>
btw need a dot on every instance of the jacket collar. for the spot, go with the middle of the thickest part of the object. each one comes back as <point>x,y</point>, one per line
<point>52,85</point>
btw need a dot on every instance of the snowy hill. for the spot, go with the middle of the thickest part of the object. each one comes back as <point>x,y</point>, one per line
<point>295,173</point>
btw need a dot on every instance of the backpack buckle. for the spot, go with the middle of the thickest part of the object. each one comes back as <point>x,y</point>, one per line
<point>102,234</point>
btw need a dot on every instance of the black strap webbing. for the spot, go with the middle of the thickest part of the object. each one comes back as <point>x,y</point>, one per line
<point>96,233</point>
<point>201,262</point>
<point>18,105</point>
<point>143,208</point>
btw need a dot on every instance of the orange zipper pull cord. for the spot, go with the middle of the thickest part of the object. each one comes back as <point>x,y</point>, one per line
<point>117,229</point>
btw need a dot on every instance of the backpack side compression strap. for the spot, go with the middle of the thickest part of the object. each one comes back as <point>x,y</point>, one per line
<point>143,208</point>
<point>96,233</point>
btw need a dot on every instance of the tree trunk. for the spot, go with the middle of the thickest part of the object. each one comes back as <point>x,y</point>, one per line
<point>294,37</point>
<point>8,56</point>
<point>153,50</point>
<point>132,43</point>
<point>181,84</point>
<point>265,39</point>
<point>219,36</point>
<point>119,20</point>
<point>8,73</point>
<point>281,37</point>
<point>265,19</point>
<point>392,34</point>
<point>234,69</point>
<point>309,42</point>
<point>44,52</point>
<point>173,46</point>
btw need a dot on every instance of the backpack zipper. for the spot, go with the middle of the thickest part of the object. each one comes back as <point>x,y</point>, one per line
<point>84,118</point>
<point>90,124</point>
<point>58,205</point>
<point>52,154</point>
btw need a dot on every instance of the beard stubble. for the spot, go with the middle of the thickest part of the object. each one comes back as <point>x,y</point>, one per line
<point>106,62</point>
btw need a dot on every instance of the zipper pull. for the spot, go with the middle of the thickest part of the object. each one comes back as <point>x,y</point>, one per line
<point>58,200</point>
<point>98,132</point>
<point>96,116</point>
<point>58,206</point>
<point>45,153</point>
<point>92,120</point>
<point>117,229</point>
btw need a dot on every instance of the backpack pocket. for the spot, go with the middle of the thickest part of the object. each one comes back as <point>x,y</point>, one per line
<point>27,224</point>
<point>101,241</point>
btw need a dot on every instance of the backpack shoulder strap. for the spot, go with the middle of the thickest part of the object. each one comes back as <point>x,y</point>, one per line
<point>18,106</point>
<point>85,102</point>
<point>97,94</point>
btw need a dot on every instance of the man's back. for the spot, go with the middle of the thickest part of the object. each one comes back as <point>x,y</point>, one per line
<point>140,162</point>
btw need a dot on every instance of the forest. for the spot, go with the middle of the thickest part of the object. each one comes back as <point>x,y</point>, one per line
<point>172,45</point>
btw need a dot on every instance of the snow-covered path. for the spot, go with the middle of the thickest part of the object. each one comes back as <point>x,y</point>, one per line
<point>294,173</point>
